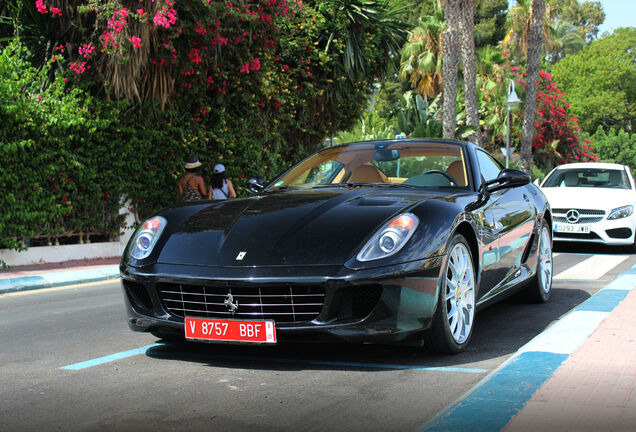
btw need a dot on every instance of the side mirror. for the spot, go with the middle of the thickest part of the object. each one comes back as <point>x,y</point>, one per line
<point>537,182</point>
<point>481,198</point>
<point>255,184</point>
<point>507,178</point>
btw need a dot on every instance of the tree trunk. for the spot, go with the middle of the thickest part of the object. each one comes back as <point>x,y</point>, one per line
<point>535,42</point>
<point>467,30</point>
<point>450,66</point>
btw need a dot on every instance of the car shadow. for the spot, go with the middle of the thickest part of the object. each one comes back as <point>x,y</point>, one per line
<point>501,330</point>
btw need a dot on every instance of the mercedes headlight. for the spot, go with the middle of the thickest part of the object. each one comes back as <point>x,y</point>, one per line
<point>621,212</point>
<point>390,238</point>
<point>146,237</point>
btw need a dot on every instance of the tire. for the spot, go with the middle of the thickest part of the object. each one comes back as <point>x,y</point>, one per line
<point>454,317</point>
<point>540,287</point>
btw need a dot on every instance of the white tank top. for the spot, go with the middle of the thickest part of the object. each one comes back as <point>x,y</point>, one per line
<point>222,193</point>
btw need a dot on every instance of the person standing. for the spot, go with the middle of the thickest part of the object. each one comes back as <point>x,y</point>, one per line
<point>191,185</point>
<point>220,186</point>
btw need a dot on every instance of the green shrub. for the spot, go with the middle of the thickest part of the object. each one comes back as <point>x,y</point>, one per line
<point>612,146</point>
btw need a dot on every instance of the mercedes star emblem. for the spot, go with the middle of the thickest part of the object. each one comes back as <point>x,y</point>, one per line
<point>572,216</point>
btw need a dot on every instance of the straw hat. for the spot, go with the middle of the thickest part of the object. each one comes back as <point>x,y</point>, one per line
<point>192,162</point>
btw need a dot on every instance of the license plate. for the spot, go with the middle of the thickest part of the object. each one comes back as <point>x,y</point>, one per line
<point>571,228</point>
<point>230,330</point>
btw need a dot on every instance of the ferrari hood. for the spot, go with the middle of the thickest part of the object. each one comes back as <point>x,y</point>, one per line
<point>589,198</point>
<point>316,227</point>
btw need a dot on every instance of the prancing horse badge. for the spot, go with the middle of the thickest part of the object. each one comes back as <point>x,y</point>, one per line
<point>240,256</point>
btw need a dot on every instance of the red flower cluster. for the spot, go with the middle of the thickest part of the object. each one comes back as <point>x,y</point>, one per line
<point>556,132</point>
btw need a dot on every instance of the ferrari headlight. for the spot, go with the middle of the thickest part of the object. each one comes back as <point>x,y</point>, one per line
<point>390,238</point>
<point>621,212</point>
<point>146,237</point>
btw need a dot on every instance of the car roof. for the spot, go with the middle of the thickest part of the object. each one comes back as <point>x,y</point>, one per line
<point>598,165</point>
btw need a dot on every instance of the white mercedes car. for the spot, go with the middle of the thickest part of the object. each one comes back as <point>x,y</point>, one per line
<point>592,202</point>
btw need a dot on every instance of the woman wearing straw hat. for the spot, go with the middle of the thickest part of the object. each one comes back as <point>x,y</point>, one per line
<point>191,185</point>
<point>220,186</point>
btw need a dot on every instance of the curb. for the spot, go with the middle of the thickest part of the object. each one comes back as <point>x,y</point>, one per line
<point>55,279</point>
<point>491,404</point>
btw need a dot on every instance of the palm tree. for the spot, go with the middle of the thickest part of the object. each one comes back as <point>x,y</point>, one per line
<point>520,21</point>
<point>421,63</point>
<point>467,33</point>
<point>564,39</point>
<point>535,42</point>
<point>381,17</point>
<point>450,66</point>
<point>491,82</point>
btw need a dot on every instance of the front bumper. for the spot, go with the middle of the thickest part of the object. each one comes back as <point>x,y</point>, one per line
<point>391,304</point>
<point>610,232</point>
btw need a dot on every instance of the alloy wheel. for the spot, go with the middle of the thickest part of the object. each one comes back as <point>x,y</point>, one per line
<point>460,293</point>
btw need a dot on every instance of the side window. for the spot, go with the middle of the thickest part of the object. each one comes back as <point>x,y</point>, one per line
<point>488,166</point>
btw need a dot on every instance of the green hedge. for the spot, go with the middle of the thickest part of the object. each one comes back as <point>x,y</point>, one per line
<point>68,158</point>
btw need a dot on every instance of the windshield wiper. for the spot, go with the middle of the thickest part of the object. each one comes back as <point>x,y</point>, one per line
<point>363,184</point>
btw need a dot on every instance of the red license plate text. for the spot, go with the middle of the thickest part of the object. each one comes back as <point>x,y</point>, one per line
<point>230,330</point>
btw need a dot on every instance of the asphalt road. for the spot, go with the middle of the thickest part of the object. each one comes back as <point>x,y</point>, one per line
<point>288,387</point>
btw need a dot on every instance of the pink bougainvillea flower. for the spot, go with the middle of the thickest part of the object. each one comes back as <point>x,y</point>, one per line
<point>78,68</point>
<point>194,56</point>
<point>56,11</point>
<point>245,67</point>
<point>41,7</point>
<point>255,65</point>
<point>165,17</point>
<point>86,50</point>
<point>136,41</point>
<point>199,28</point>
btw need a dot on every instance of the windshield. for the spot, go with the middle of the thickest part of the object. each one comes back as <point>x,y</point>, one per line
<point>415,164</point>
<point>588,177</point>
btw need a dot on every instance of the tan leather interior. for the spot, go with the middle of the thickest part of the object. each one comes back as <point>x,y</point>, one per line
<point>456,169</point>
<point>367,173</point>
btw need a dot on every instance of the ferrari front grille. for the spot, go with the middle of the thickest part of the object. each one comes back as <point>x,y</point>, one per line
<point>287,304</point>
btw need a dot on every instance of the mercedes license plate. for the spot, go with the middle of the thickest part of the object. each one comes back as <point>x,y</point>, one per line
<point>230,330</point>
<point>571,228</point>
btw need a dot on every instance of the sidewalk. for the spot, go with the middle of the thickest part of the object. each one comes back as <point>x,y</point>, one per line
<point>595,388</point>
<point>579,374</point>
<point>32,277</point>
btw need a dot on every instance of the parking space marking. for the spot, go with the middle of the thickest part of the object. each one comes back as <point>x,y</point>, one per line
<point>592,268</point>
<point>143,350</point>
<point>109,358</point>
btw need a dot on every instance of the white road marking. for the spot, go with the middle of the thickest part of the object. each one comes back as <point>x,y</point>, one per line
<point>592,268</point>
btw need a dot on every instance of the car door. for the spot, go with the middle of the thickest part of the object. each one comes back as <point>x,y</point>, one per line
<point>511,215</point>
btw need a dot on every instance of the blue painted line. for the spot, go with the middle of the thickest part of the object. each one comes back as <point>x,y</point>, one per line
<point>603,301</point>
<point>22,284</point>
<point>110,358</point>
<point>56,279</point>
<point>144,350</point>
<point>491,405</point>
